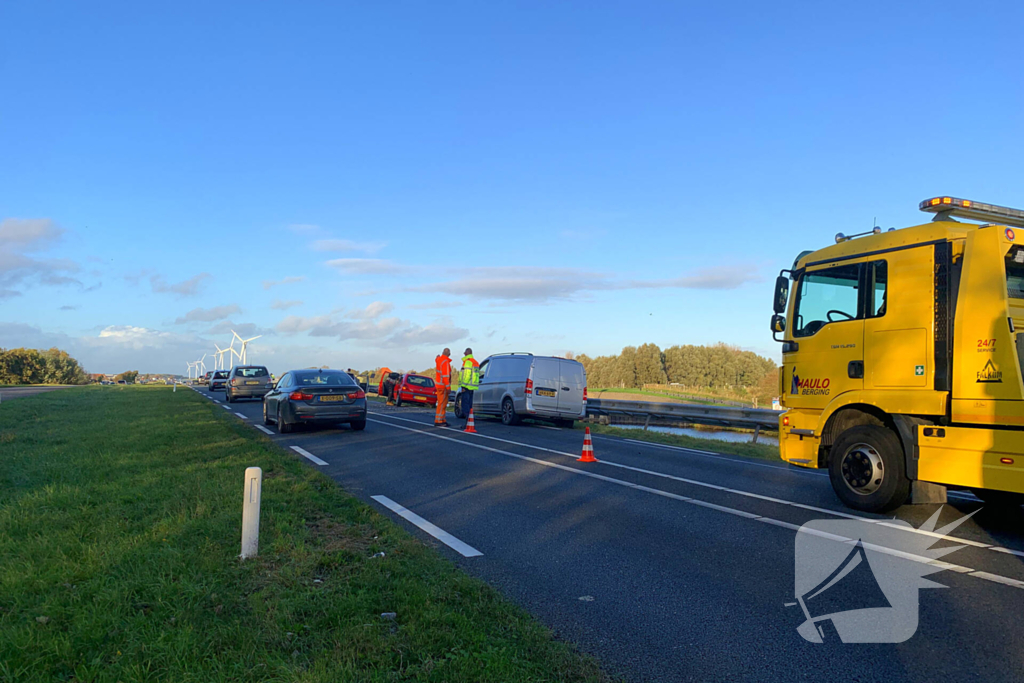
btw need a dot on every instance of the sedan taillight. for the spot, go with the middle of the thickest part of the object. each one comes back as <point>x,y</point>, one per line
<point>234,382</point>
<point>300,396</point>
<point>358,394</point>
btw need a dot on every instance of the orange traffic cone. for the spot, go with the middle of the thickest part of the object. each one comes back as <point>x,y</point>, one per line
<point>470,429</point>
<point>588,449</point>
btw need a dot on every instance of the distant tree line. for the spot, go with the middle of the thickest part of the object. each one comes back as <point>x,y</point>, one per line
<point>713,367</point>
<point>32,366</point>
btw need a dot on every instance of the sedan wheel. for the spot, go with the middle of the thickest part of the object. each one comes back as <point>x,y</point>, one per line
<point>282,426</point>
<point>266,417</point>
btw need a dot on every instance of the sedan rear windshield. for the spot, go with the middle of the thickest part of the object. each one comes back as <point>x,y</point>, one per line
<point>420,381</point>
<point>220,374</point>
<point>251,372</point>
<point>323,379</point>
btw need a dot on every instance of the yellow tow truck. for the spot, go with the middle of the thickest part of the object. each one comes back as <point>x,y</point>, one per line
<point>901,368</point>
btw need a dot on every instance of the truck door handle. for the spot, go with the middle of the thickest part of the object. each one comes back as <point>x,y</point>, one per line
<point>855,369</point>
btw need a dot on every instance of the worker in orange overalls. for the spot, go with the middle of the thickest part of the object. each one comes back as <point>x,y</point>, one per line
<point>443,386</point>
<point>384,372</point>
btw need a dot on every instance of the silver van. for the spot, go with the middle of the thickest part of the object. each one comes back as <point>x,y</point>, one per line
<point>518,385</point>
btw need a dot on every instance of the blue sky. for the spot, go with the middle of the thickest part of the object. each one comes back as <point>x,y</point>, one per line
<point>363,184</point>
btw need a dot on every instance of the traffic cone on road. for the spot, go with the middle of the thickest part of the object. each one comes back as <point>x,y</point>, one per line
<point>588,449</point>
<point>470,429</point>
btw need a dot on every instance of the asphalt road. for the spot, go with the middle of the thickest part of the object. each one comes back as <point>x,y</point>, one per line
<point>8,393</point>
<point>669,564</point>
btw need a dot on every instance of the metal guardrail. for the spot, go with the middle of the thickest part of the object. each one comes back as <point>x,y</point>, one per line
<point>723,416</point>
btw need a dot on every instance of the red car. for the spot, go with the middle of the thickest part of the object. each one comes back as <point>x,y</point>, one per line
<point>414,389</point>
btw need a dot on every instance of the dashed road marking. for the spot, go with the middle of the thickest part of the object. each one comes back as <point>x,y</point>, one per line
<point>263,429</point>
<point>226,407</point>
<point>306,454</point>
<point>721,508</point>
<point>241,416</point>
<point>440,534</point>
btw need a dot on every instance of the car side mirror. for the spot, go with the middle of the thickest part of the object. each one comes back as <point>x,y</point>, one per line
<point>778,323</point>
<point>781,294</point>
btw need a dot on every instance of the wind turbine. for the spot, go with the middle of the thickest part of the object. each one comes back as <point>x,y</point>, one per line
<point>189,366</point>
<point>200,364</point>
<point>220,355</point>
<point>245,344</point>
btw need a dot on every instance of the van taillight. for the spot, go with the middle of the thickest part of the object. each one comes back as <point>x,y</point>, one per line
<point>584,393</point>
<point>529,387</point>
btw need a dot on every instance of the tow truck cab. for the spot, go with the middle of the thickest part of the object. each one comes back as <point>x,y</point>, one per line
<point>901,359</point>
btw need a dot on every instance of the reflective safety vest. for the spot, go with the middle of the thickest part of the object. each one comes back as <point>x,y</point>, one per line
<point>469,378</point>
<point>443,368</point>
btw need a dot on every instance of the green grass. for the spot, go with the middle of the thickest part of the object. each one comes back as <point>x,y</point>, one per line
<point>681,397</point>
<point>119,534</point>
<point>751,450</point>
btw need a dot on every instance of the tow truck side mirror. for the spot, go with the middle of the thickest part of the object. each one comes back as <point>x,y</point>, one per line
<point>781,294</point>
<point>778,323</point>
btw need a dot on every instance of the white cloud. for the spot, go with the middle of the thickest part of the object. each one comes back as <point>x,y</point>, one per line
<point>279,305</point>
<point>27,234</point>
<point>189,287</point>
<point>437,333</point>
<point>367,266</point>
<point>538,285</point>
<point>242,329</point>
<point>434,305</point>
<point>206,315</point>
<point>347,245</point>
<point>20,235</point>
<point>267,284</point>
<point>374,310</point>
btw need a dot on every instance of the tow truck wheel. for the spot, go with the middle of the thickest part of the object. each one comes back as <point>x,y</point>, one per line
<point>1000,499</point>
<point>867,469</point>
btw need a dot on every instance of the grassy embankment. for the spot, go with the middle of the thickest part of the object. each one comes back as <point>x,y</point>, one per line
<point>119,534</point>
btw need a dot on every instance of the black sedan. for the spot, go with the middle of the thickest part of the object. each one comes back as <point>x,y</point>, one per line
<point>315,397</point>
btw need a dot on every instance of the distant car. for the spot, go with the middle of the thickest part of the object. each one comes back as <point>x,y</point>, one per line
<point>121,381</point>
<point>518,385</point>
<point>247,381</point>
<point>315,397</point>
<point>388,384</point>
<point>414,389</point>
<point>205,379</point>
<point>218,380</point>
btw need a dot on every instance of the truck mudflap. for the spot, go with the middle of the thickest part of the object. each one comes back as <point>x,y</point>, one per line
<point>975,457</point>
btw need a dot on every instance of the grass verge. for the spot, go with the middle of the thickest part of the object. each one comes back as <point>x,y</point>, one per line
<point>751,450</point>
<point>119,533</point>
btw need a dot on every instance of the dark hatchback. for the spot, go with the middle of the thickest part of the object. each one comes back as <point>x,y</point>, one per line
<point>315,397</point>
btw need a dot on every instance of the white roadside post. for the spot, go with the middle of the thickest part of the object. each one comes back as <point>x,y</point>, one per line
<point>251,512</point>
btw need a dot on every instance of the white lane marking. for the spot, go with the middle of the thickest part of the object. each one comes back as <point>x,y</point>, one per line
<point>306,454</point>
<point>725,489</point>
<point>226,407</point>
<point>548,427</point>
<point>721,508</point>
<point>216,401</point>
<point>1008,550</point>
<point>998,579</point>
<point>437,532</point>
<point>241,416</point>
<point>263,429</point>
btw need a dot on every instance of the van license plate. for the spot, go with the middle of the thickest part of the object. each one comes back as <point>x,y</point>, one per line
<point>550,393</point>
<point>325,399</point>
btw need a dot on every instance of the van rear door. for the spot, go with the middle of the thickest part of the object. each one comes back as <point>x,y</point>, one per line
<point>547,384</point>
<point>570,394</point>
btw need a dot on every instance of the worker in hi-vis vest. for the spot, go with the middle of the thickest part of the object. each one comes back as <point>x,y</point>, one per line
<point>469,380</point>
<point>442,386</point>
